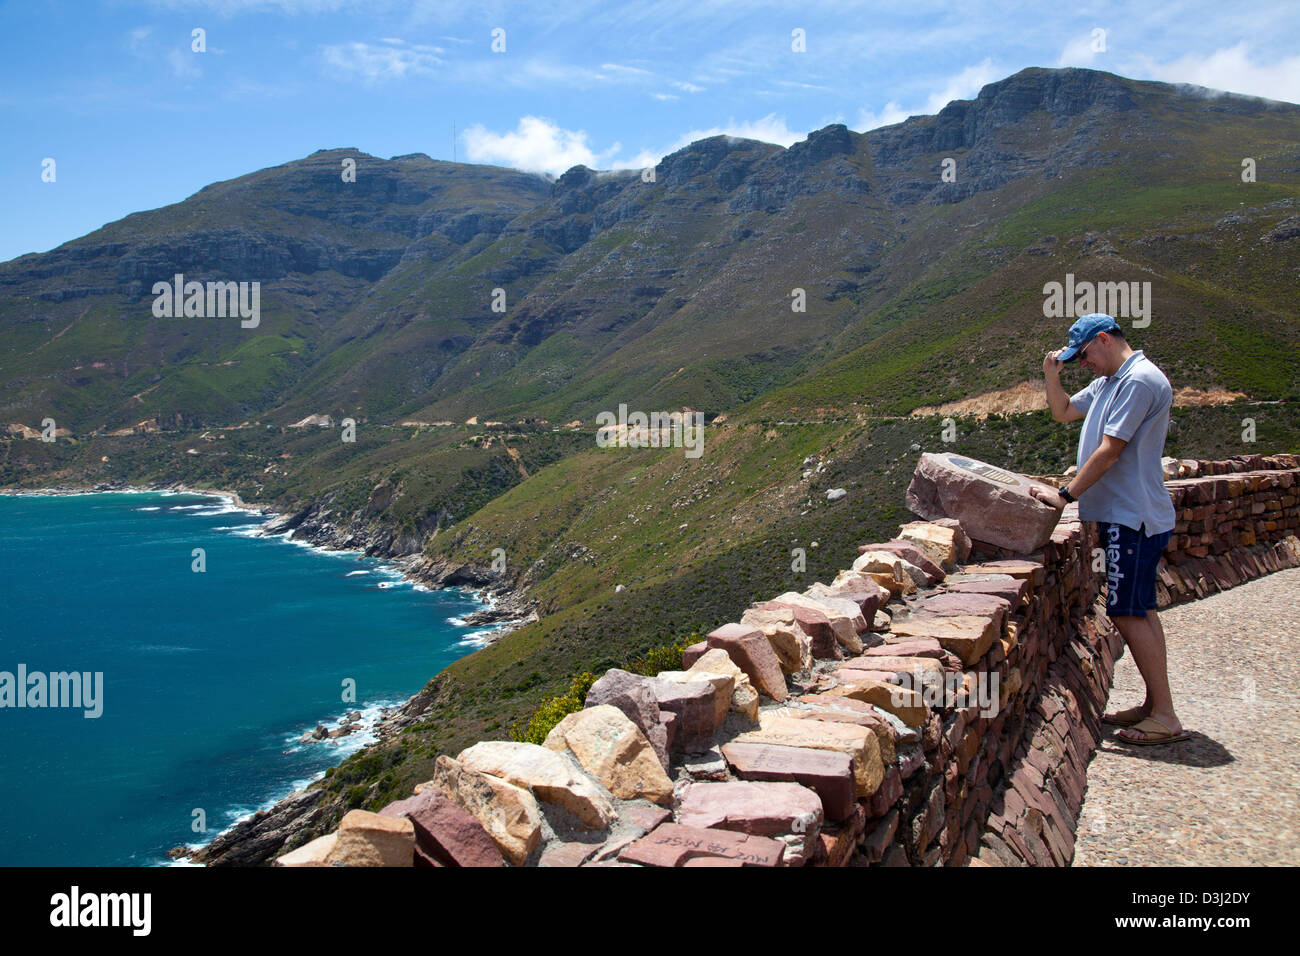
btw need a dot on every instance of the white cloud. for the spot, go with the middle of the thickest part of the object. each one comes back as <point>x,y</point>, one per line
<point>183,64</point>
<point>540,145</point>
<point>137,40</point>
<point>1232,69</point>
<point>536,145</point>
<point>1082,50</point>
<point>394,59</point>
<point>620,68</point>
<point>228,8</point>
<point>891,114</point>
<point>769,129</point>
<point>963,86</point>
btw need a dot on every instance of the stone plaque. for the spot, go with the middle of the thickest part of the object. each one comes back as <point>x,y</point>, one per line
<point>991,503</point>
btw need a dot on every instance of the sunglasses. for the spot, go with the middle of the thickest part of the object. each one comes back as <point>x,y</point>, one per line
<point>1079,355</point>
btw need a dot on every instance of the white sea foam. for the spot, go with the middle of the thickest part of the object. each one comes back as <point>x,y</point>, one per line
<point>211,511</point>
<point>149,508</point>
<point>353,574</point>
<point>477,638</point>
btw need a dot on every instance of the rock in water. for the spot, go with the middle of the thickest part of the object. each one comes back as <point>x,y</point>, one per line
<point>992,505</point>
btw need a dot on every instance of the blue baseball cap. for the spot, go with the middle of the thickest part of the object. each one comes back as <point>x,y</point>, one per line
<point>1083,331</point>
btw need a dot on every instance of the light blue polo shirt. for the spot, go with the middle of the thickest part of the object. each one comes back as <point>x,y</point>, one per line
<point>1133,406</point>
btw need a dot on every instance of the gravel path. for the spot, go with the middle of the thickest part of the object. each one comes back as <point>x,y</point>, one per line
<point>1231,794</point>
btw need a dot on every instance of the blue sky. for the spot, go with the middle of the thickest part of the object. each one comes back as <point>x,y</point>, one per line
<point>135,118</point>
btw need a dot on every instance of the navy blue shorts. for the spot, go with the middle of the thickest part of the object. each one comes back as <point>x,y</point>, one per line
<point>1132,559</point>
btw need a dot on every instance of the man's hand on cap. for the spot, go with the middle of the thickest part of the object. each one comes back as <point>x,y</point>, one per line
<point>1052,365</point>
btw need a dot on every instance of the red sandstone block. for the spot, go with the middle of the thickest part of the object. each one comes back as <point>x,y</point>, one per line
<point>671,844</point>
<point>910,553</point>
<point>647,818</point>
<point>965,603</point>
<point>923,647</point>
<point>695,716</point>
<point>567,855</point>
<point>889,793</point>
<point>752,652</point>
<point>825,646</point>
<point>444,832</point>
<point>827,773</point>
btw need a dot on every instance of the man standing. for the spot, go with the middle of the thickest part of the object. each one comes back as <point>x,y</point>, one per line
<point>1121,486</point>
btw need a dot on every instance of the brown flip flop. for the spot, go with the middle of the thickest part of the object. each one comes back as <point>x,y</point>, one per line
<point>1157,733</point>
<point>1124,718</point>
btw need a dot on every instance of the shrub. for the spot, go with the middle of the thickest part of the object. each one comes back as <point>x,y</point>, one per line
<point>554,709</point>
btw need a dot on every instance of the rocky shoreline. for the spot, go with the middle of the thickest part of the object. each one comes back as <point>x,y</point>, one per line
<point>257,839</point>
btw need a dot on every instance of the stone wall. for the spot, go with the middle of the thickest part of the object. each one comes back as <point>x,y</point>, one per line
<point>936,704</point>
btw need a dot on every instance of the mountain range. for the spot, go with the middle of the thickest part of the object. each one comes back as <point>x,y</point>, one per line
<point>377,294</point>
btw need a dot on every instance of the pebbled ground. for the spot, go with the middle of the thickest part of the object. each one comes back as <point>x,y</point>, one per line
<point>1231,794</point>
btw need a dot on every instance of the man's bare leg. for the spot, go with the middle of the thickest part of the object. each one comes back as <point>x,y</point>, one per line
<point>1145,637</point>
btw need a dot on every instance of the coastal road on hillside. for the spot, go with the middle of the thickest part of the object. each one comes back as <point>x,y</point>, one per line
<point>1229,795</point>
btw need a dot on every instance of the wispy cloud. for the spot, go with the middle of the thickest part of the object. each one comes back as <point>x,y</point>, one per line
<point>226,8</point>
<point>1232,69</point>
<point>770,129</point>
<point>389,59</point>
<point>891,114</point>
<point>961,86</point>
<point>538,144</point>
<point>181,62</point>
<point>184,65</point>
<point>138,40</point>
<point>630,70</point>
<point>528,73</point>
<point>1084,49</point>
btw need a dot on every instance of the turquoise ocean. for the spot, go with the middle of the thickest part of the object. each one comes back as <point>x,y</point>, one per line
<point>209,677</point>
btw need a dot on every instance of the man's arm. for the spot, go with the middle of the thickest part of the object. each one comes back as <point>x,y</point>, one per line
<point>1058,400</point>
<point>1098,463</point>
